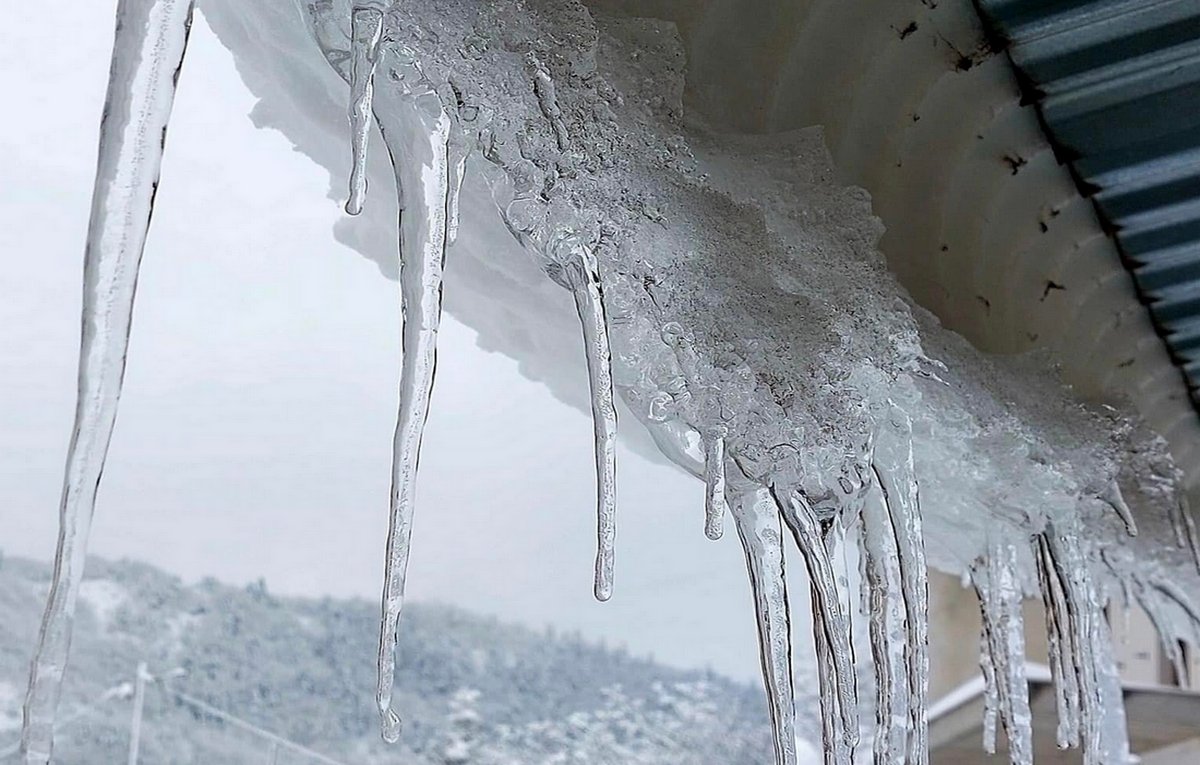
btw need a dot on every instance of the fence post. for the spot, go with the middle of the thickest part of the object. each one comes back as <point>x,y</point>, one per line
<point>273,755</point>
<point>139,700</point>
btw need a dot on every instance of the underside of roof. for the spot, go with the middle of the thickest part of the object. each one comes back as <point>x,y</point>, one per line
<point>1117,84</point>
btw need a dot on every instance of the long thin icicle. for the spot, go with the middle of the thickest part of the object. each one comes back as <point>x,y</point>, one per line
<point>1170,592</point>
<point>1189,529</point>
<point>886,614</point>
<point>894,469</point>
<point>991,691</point>
<point>714,485</point>
<point>758,526</point>
<point>1062,660</point>
<point>583,274</point>
<point>828,616</point>
<point>1003,647</point>
<point>1113,497</point>
<point>1101,719</point>
<point>416,133</point>
<point>837,752</point>
<point>151,39</point>
<point>366,33</point>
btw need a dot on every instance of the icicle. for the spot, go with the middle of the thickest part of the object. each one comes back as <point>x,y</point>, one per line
<point>1069,578</point>
<point>837,752</point>
<point>1162,623</point>
<point>712,439</point>
<point>991,692</point>
<point>758,526</point>
<point>543,88</point>
<point>1003,629</point>
<point>151,38</point>
<point>1062,662</point>
<point>1172,591</point>
<point>1171,647</point>
<point>366,33</point>
<point>828,616</point>
<point>1113,497</point>
<point>893,467</point>
<point>459,150</point>
<point>458,170</point>
<point>416,133</point>
<point>582,274</point>
<point>1126,602</point>
<point>714,485</point>
<point>885,606</point>
<point>1189,529</point>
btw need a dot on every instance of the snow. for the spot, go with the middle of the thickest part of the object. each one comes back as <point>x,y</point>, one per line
<point>10,707</point>
<point>104,597</point>
<point>802,350</point>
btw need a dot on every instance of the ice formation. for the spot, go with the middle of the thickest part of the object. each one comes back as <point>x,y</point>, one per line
<point>1002,651</point>
<point>147,54</point>
<point>715,503</point>
<point>366,33</point>
<point>761,533</point>
<point>731,292</point>
<point>417,134</point>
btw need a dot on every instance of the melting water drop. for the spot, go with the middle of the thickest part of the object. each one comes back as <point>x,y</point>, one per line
<point>151,39</point>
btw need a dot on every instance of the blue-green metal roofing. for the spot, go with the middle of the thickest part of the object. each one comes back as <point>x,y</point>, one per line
<point>1117,83</point>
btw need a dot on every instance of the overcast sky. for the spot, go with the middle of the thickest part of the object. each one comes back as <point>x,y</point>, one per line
<point>254,433</point>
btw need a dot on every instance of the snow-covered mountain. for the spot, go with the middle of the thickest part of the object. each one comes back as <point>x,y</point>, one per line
<point>473,690</point>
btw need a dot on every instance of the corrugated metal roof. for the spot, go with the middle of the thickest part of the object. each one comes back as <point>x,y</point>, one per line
<point>1117,83</point>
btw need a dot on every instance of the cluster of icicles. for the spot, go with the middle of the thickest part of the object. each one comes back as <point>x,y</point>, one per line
<point>429,164</point>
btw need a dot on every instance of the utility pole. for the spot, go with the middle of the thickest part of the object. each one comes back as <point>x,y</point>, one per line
<point>139,700</point>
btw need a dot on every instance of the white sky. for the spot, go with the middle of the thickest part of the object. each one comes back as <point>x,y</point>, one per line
<point>255,428</point>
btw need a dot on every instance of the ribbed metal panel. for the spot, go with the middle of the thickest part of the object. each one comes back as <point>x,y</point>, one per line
<point>1118,86</point>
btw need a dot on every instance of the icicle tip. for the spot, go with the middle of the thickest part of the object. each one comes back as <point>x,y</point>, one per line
<point>391,726</point>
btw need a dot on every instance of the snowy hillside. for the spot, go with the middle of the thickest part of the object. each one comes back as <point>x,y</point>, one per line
<point>474,690</point>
